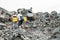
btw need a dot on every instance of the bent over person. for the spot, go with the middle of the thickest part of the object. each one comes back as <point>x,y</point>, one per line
<point>15,20</point>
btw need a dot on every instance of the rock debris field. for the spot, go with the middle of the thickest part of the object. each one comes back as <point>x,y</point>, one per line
<point>46,26</point>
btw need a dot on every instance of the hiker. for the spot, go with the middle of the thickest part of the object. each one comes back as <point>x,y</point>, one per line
<point>15,20</point>
<point>20,18</point>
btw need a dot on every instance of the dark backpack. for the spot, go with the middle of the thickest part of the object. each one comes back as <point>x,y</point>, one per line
<point>21,17</point>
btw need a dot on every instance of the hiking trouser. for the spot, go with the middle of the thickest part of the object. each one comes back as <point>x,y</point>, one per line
<point>15,24</point>
<point>20,22</point>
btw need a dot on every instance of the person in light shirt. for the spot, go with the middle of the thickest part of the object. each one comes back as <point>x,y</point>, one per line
<point>20,18</point>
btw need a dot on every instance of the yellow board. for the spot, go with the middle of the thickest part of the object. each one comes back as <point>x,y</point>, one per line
<point>25,19</point>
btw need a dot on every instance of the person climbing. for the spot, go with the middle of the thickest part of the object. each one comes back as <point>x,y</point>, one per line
<point>15,20</point>
<point>20,18</point>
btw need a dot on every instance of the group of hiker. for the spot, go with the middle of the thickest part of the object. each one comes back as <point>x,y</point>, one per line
<point>17,20</point>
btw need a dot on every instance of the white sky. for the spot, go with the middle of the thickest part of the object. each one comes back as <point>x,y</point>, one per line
<point>37,5</point>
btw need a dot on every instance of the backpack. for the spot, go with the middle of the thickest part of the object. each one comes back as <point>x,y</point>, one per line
<point>21,17</point>
<point>14,19</point>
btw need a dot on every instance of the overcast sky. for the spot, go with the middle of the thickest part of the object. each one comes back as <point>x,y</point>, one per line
<point>37,5</point>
